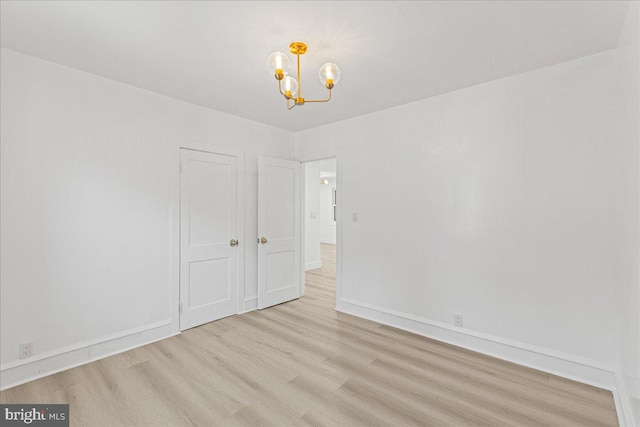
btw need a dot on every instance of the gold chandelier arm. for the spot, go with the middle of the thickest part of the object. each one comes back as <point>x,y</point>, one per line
<point>320,100</point>
<point>290,107</point>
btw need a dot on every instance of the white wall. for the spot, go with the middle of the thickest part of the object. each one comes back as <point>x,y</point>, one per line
<point>312,215</point>
<point>512,200</point>
<point>500,205</point>
<point>89,205</point>
<point>627,75</point>
<point>327,225</point>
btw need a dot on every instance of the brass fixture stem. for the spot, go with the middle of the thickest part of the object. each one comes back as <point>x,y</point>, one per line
<point>299,83</point>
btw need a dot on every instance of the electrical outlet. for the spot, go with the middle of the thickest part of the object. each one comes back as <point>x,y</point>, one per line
<point>457,319</point>
<point>26,350</point>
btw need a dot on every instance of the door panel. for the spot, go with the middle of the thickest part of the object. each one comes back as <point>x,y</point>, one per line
<point>279,224</point>
<point>208,222</point>
<point>280,201</point>
<point>200,274</point>
<point>280,270</point>
<point>209,207</point>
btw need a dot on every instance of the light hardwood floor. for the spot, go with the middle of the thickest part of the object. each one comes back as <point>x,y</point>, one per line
<point>302,363</point>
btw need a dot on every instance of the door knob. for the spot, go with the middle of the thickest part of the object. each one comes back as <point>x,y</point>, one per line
<point>233,242</point>
<point>263,240</point>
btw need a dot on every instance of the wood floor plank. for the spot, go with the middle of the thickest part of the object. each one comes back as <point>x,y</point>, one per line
<point>304,364</point>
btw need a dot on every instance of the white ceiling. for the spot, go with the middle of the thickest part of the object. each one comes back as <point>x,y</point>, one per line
<point>214,53</point>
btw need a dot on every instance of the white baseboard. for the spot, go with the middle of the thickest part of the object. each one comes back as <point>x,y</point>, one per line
<point>327,241</point>
<point>22,371</point>
<point>568,366</point>
<point>312,265</point>
<point>627,395</point>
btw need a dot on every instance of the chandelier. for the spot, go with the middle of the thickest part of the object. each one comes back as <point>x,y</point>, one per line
<point>279,65</point>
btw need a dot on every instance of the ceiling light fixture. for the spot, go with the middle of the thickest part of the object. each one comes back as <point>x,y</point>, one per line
<point>279,66</point>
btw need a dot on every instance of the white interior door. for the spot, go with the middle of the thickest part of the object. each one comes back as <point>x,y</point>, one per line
<point>278,231</point>
<point>208,230</point>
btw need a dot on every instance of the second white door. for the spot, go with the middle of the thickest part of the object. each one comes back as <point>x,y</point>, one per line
<point>278,231</point>
<point>208,237</point>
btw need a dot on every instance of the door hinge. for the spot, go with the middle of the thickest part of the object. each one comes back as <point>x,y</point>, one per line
<point>180,308</point>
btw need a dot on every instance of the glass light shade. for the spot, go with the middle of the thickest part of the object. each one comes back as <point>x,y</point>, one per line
<point>329,75</point>
<point>278,61</point>
<point>290,86</point>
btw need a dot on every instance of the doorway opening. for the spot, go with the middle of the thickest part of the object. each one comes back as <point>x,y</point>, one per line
<point>320,229</point>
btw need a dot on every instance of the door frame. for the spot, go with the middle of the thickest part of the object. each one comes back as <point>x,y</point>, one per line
<point>180,144</point>
<point>312,157</point>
